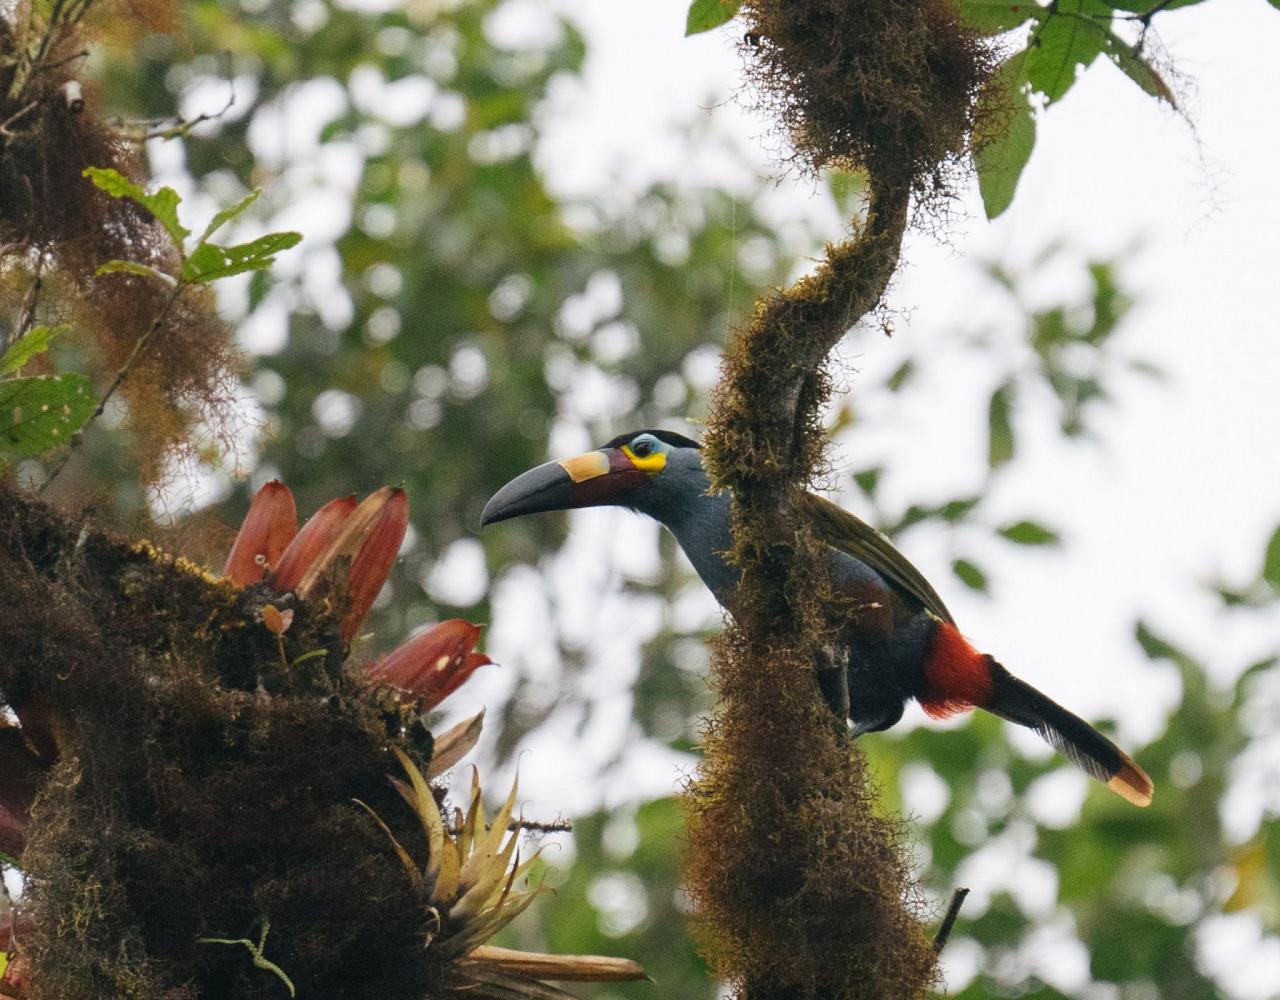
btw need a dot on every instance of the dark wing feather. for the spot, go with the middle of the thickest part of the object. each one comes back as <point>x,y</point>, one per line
<point>850,534</point>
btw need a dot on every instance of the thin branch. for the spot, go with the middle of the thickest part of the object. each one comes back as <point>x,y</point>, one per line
<point>949,919</point>
<point>182,127</point>
<point>534,826</point>
<point>20,113</point>
<point>1146,18</point>
<point>82,54</point>
<point>27,309</point>
<point>62,19</point>
<point>116,382</point>
<point>46,40</point>
<point>77,12</point>
<point>529,826</point>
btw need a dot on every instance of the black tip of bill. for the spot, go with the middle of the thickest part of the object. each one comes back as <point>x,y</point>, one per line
<point>547,487</point>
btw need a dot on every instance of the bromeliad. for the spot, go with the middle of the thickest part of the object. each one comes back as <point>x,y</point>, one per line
<point>348,549</point>
<point>902,644</point>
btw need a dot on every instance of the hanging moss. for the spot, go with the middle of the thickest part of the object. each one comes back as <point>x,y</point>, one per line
<point>55,223</point>
<point>882,85</point>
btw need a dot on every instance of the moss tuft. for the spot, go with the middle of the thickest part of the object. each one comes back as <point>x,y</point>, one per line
<point>877,84</point>
<point>55,222</point>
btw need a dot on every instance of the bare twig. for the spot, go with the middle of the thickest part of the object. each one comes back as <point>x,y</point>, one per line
<point>534,826</point>
<point>181,127</point>
<point>530,826</point>
<point>27,309</point>
<point>116,382</point>
<point>17,115</point>
<point>1146,17</point>
<point>82,54</point>
<point>62,18</point>
<point>949,919</point>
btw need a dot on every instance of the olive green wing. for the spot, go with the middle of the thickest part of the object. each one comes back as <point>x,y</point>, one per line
<point>849,533</point>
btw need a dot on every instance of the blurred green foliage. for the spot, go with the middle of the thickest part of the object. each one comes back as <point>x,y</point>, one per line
<point>449,322</point>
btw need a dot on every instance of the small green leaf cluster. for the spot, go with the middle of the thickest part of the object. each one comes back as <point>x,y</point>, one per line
<point>41,412</point>
<point>38,412</point>
<point>1261,591</point>
<point>208,261</point>
<point>1066,37</point>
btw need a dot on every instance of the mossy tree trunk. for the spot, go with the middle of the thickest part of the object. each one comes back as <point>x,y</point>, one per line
<point>802,886</point>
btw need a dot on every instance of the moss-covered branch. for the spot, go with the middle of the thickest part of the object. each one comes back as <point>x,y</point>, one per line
<point>191,784</point>
<point>802,887</point>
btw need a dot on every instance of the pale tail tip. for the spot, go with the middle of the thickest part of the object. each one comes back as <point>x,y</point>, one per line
<point>1132,784</point>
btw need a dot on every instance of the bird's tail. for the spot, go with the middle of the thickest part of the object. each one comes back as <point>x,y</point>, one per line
<point>1019,702</point>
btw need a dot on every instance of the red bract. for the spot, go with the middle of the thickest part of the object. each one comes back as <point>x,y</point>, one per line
<point>368,543</point>
<point>266,531</point>
<point>373,562</point>
<point>307,545</point>
<point>433,664</point>
<point>16,980</point>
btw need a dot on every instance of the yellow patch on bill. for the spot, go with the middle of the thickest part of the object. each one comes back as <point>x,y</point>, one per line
<point>588,466</point>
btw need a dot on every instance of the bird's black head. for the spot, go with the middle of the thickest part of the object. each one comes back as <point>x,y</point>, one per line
<point>618,473</point>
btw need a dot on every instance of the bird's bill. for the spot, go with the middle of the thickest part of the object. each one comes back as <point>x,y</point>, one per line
<point>595,479</point>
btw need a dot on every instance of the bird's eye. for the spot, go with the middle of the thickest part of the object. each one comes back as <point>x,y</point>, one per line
<point>642,448</point>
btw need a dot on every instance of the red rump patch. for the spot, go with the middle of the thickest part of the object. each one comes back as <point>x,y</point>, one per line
<point>956,676</point>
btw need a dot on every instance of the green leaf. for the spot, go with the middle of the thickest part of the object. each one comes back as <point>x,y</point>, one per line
<point>1271,562</point>
<point>41,412</point>
<point>1000,441</point>
<point>1067,40</point>
<point>901,376</point>
<point>868,480</point>
<point>36,341</point>
<point>1002,153</point>
<point>1158,648</point>
<point>707,14</point>
<point>970,575</point>
<point>163,204</point>
<point>133,267</point>
<point>1131,62</point>
<point>227,214</point>
<point>991,17</point>
<point>209,262</point>
<point>955,511</point>
<point>1029,533</point>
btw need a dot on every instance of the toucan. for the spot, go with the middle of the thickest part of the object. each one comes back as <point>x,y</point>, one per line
<point>901,642</point>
